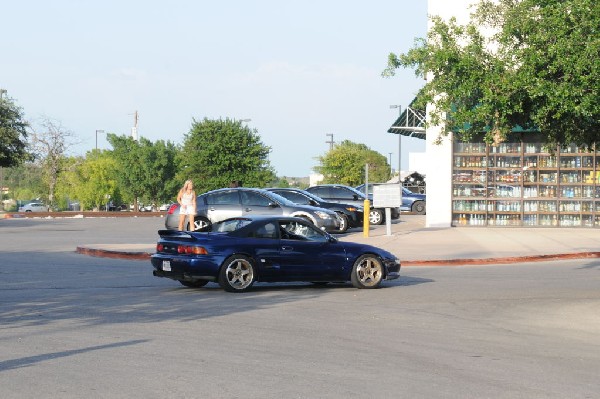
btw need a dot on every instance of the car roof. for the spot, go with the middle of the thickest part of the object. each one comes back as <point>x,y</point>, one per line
<point>264,218</point>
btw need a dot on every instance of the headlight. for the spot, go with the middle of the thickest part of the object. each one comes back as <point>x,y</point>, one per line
<point>322,215</point>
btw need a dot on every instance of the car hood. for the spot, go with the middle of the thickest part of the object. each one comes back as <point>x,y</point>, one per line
<point>354,247</point>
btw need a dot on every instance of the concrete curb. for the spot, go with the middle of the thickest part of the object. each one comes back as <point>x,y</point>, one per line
<point>107,253</point>
<point>143,255</point>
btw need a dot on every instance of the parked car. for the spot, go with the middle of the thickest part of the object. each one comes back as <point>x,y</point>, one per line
<point>241,251</point>
<point>217,205</point>
<point>349,195</point>
<point>350,215</point>
<point>34,207</point>
<point>411,202</point>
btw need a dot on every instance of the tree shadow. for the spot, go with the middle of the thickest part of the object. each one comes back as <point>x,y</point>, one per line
<point>31,360</point>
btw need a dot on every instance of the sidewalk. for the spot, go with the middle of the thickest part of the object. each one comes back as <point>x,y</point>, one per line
<point>416,245</point>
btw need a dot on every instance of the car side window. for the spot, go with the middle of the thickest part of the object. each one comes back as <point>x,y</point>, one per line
<point>223,198</point>
<point>322,192</point>
<point>250,198</point>
<point>295,197</point>
<point>340,192</point>
<point>268,230</point>
<point>296,230</point>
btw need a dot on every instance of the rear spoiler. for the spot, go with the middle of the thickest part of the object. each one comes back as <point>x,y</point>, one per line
<point>176,233</point>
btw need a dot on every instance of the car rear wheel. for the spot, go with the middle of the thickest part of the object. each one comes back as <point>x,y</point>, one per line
<point>237,274</point>
<point>418,207</point>
<point>343,222</point>
<point>201,224</point>
<point>376,216</point>
<point>367,272</point>
<point>194,284</point>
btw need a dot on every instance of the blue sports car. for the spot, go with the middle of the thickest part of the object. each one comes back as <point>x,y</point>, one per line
<point>238,252</point>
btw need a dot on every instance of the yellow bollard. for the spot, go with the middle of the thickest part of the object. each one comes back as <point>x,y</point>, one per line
<point>366,218</point>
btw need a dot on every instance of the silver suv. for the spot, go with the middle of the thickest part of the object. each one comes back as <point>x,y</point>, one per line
<point>217,205</point>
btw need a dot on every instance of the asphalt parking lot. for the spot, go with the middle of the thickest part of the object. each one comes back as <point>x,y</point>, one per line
<point>77,326</point>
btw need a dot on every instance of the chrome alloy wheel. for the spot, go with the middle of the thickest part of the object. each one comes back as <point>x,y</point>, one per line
<point>239,274</point>
<point>368,272</point>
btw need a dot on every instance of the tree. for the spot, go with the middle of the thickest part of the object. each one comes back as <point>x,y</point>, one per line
<point>49,147</point>
<point>13,134</point>
<point>146,170</point>
<point>217,152</point>
<point>345,164</point>
<point>539,68</point>
<point>93,180</point>
<point>159,172</point>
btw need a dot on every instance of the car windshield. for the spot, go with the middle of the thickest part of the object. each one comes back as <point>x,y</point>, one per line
<point>279,199</point>
<point>313,196</point>
<point>359,193</point>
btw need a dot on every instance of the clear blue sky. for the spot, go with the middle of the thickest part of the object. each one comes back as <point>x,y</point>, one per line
<point>298,69</point>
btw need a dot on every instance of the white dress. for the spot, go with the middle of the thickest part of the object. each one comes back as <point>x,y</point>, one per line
<point>187,204</point>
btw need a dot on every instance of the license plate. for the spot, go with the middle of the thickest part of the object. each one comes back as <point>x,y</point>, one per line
<point>166,266</point>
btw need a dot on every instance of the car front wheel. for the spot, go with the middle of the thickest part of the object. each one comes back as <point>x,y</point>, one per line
<point>376,216</point>
<point>343,222</point>
<point>201,224</point>
<point>418,207</point>
<point>237,274</point>
<point>367,272</point>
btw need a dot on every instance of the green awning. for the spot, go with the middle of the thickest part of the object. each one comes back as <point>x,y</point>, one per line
<point>411,123</point>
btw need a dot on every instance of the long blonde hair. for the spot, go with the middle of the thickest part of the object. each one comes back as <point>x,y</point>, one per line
<point>186,184</point>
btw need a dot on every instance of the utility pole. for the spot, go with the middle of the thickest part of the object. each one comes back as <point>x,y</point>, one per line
<point>134,129</point>
<point>330,142</point>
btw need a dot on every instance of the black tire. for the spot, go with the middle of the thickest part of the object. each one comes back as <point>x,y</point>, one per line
<point>367,272</point>
<point>194,284</point>
<point>343,222</point>
<point>237,274</point>
<point>376,216</point>
<point>418,207</point>
<point>200,224</point>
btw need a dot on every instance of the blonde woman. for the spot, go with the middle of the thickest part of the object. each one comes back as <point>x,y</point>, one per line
<point>187,204</point>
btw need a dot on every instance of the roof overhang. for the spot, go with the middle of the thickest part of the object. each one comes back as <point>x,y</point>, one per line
<point>411,123</point>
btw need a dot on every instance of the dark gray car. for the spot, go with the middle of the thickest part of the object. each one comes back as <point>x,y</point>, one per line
<point>217,205</point>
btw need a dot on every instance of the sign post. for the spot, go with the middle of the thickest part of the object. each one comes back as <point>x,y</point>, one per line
<point>387,196</point>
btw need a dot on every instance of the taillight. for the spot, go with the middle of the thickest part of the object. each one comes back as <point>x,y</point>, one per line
<point>191,250</point>
<point>172,208</point>
<point>159,247</point>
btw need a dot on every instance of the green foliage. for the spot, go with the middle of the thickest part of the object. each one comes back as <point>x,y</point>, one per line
<point>145,170</point>
<point>13,134</point>
<point>539,69</point>
<point>217,152</point>
<point>25,182</point>
<point>93,180</point>
<point>345,164</point>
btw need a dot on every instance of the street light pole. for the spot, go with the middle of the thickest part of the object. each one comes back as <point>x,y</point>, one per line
<point>399,143</point>
<point>98,131</point>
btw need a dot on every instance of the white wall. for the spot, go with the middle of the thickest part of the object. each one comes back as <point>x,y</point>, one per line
<point>439,156</point>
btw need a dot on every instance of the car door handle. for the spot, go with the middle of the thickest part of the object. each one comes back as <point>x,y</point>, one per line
<point>248,209</point>
<point>287,248</point>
